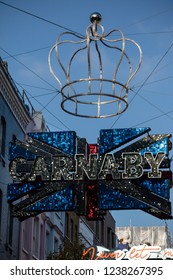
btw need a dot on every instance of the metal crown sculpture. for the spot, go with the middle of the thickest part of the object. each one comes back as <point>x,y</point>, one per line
<point>94,85</point>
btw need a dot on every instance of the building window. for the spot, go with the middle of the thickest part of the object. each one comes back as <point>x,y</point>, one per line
<point>47,247</point>
<point>41,242</point>
<point>97,230</point>
<point>113,240</point>
<point>102,232</point>
<point>76,233</point>
<point>2,136</point>
<point>26,234</point>
<point>35,237</point>
<point>66,225</point>
<point>109,242</point>
<point>71,231</point>
<point>56,245</point>
<point>10,237</point>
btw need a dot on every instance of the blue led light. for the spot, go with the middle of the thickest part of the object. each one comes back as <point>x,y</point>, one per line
<point>111,139</point>
<point>62,195</point>
<point>159,187</point>
<point>112,199</point>
<point>17,190</point>
<point>60,201</point>
<point>18,151</point>
<point>63,140</point>
<point>157,147</point>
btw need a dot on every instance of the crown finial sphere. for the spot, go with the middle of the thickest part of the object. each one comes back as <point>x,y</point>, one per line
<point>95,17</point>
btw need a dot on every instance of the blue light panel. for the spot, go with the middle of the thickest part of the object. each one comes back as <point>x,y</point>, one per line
<point>110,199</point>
<point>160,187</point>
<point>18,151</point>
<point>63,140</point>
<point>60,201</point>
<point>17,190</point>
<point>111,139</point>
<point>157,147</point>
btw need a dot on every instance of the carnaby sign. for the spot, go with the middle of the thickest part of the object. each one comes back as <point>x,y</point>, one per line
<point>57,168</point>
<point>59,171</point>
<point>141,252</point>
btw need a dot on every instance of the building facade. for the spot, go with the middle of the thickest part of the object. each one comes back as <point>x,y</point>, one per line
<point>151,235</point>
<point>86,234</point>
<point>35,237</point>
<point>41,236</point>
<point>14,118</point>
<point>104,231</point>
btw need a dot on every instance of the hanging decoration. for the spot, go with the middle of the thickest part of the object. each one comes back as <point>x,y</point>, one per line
<point>94,71</point>
<point>58,171</point>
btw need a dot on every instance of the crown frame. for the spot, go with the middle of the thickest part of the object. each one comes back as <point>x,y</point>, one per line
<point>86,97</point>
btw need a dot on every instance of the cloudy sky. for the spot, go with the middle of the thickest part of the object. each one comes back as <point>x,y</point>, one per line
<point>28,30</point>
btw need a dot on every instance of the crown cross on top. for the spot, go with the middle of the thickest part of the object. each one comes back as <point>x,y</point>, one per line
<point>94,71</point>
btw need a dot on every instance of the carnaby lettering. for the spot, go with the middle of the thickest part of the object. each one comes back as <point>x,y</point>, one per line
<point>129,166</point>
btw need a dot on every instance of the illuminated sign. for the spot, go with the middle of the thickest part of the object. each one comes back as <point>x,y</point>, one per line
<point>58,168</point>
<point>141,252</point>
<point>58,171</point>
